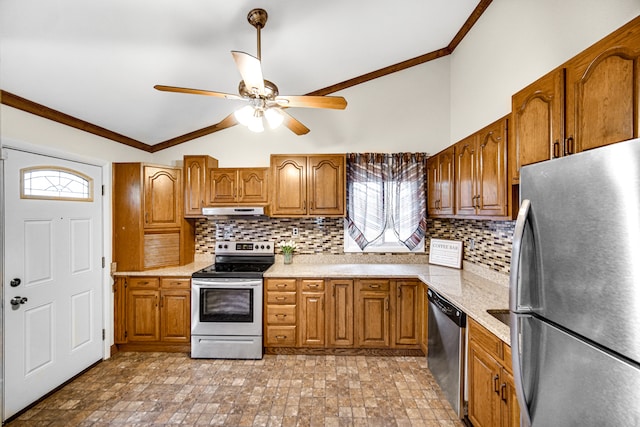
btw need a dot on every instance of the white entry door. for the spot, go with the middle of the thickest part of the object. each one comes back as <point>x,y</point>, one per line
<point>53,274</point>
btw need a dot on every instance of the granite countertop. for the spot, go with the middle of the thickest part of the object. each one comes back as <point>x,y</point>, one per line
<point>472,289</point>
<point>183,270</point>
<point>469,291</point>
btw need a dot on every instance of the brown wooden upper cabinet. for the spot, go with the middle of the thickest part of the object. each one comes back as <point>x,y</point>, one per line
<point>481,172</point>
<point>590,101</point>
<point>195,169</point>
<point>308,185</point>
<point>162,197</point>
<point>234,186</point>
<point>441,188</point>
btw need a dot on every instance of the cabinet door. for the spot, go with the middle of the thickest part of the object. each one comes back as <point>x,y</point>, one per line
<point>510,411</point>
<point>603,92</point>
<point>289,190</point>
<point>195,183</point>
<point>372,313</point>
<point>483,383</point>
<point>340,313</point>
<point>162,197</point>
<point>222,188</point>
<point>446,175</point>
<point>326,185</point>
<point>538,123</point>
<point>433,186</point>
<point>407,328</point>
<point>143,315</point>
<point>491,178</point>
<point>465,167</point>
<point>175,316</point>
<point>312,319</point>
<point>253,185</point>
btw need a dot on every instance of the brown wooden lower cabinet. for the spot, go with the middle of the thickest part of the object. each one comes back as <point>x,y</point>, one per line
<point>343,313</point>
<point>340,313</point>
<point>372,313</point>
<point>492,399</point>
<point>311,308</point>
<point>153,313</point>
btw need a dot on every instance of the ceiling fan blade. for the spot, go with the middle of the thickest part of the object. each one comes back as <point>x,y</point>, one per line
<point>293,124</point>
<point>250,70</point>
<point>334,102</point>
<point>196,92</point>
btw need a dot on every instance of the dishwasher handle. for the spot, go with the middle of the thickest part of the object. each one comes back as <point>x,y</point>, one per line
<point>440,303</point>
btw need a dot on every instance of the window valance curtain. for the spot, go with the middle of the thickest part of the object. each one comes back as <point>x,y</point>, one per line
<point>386,190</point>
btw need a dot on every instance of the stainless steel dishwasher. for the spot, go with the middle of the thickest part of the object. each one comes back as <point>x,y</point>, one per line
<point>446,348</point>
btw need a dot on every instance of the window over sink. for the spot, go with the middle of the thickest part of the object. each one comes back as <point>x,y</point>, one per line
<point>386,202</point>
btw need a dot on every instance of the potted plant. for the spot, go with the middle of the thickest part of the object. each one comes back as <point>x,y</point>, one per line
<point>287,250</point>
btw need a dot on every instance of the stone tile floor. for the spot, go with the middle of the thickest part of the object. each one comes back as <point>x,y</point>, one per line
<point>154,389</point>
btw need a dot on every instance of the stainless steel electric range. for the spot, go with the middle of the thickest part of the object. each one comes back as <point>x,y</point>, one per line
<point>226,302</point>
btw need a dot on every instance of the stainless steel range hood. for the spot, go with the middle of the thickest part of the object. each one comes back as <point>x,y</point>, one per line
<point>234,211</point>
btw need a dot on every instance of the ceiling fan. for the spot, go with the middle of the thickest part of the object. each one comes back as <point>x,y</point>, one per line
<point>264,100</point>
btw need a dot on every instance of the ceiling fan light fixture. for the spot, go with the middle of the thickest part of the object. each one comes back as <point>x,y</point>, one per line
<point>256,125</point>
<point>274,117</point>
<point>244,115</point>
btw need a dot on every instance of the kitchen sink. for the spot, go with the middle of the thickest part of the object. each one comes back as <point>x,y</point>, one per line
<point>500,314</point>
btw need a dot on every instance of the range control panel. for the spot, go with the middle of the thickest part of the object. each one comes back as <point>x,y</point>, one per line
<point>240,248</point>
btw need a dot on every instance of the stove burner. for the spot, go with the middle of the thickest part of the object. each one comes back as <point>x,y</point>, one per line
<point>240,260</point>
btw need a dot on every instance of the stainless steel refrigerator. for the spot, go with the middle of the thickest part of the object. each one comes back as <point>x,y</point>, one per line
<point>575,290</point>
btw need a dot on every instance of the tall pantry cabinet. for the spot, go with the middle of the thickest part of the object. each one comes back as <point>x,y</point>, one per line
<point>149,229</point>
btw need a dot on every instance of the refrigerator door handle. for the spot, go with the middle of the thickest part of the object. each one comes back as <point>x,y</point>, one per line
<point>516,358</point>
<point>518,234</point>
<point>516,251</point>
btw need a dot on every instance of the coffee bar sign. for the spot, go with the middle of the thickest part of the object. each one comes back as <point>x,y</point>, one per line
<point>446,252</point>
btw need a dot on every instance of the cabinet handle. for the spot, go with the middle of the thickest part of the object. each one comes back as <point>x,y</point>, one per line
<point>281,337</point>
<point>156,300</point>
<point>556,149</point>
<point>161,302</point>
<point>281,315</point>
<point>281,285</point>
<point>570,145</point>
<point>495,384</point>
<point>374,286</point>
<point>146,217</point>
<point>503,394</point>
<point>280,298</point>
<point>304,205</point>
<point>386,304</point>
<point>312,285</point>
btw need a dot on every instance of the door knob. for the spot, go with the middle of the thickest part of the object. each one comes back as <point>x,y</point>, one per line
<point>15,282</point>
<point>15,301</point>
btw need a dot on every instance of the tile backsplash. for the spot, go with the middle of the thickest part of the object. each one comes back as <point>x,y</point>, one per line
<point>491,239</point>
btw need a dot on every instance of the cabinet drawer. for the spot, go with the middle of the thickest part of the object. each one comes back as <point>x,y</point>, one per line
<point>281,314</point>
<point>281,284</point>
<point>281,336</point>
<point>143,282</point>
<point>485,339</point>
<point>281,297</point>
<point>373,285</point>
<point>312,285</point>
<point>175,283</point>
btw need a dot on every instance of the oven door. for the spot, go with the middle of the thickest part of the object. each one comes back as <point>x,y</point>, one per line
<point>226,306</point>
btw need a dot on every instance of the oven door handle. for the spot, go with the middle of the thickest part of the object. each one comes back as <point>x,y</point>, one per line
<point>226,284</point>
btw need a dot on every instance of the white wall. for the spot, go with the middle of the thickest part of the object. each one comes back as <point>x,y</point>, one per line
<point>517,41</point>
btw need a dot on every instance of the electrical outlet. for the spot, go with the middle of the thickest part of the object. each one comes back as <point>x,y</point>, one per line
<point>472,244</point>
<point>294,232</point>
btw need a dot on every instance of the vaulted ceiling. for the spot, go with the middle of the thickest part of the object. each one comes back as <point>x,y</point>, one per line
<point>93,64</point>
